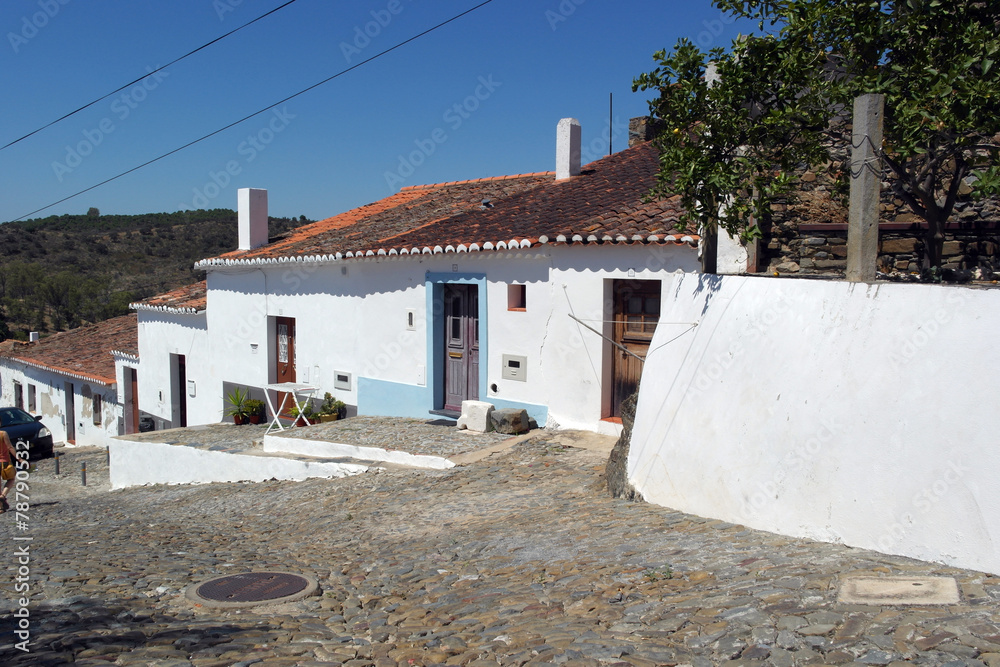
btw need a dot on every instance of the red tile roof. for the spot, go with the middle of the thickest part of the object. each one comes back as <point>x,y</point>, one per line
<point>408,209</point>
<point>605,204</point>
<point>187,300</point>
<point>84,352</point>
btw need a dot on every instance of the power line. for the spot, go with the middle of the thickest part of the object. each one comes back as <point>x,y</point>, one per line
<point>172,62</point>
<point>257,113</point>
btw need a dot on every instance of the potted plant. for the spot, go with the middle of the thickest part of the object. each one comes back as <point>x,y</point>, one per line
<point>255,410</point>
<point>331,408</point>
<point>237,400</point>
<point>305,416</point>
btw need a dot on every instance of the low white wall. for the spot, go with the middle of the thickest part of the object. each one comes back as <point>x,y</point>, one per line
<point>303,447</point>
<point>847,413</point>
<point>139,463</point>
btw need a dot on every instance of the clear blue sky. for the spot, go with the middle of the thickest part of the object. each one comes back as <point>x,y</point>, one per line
<point>512,67</point>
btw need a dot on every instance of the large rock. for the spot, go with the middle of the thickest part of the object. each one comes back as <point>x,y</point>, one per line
<point>511,420</point>
<point>616,470</point>
<point>476,416</point>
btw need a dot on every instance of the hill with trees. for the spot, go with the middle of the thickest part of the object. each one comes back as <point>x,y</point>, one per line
<point>59,272</point>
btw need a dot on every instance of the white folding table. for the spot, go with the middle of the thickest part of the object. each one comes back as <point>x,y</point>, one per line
<point>300,393</point>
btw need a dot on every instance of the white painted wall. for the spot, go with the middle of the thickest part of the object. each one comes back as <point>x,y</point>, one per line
<point>50,402</point>
<point>732,255</point>
<point>160,335</point>
<point>142,463</point>
<point>352,317</point>
<point>841,412</point>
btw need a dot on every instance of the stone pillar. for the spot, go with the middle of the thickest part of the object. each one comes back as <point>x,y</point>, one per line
<point>866,177</point>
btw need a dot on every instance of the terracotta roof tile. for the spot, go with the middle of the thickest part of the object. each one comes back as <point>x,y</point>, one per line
<point>604,204</point>
<point>189,299</point>
<point>84,352</point>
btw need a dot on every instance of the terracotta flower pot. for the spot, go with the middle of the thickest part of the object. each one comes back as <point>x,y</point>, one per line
<point>238,420</point>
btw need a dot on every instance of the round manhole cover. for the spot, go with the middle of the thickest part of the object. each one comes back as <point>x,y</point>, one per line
<point>252,588</point>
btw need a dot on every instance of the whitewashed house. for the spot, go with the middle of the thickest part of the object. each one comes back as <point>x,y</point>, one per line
<point>525,291</point>
<point>70,379</point>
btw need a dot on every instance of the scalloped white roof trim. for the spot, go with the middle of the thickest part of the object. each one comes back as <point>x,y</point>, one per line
<point>165,309</point>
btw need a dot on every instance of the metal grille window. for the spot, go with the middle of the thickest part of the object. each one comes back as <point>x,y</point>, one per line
<point>98,404</point>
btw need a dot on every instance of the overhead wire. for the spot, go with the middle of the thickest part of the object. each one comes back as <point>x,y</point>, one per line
<point>257,113</point>
<point>146,75</point>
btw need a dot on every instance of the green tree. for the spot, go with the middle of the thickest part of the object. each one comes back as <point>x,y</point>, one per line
<point>731,143</point>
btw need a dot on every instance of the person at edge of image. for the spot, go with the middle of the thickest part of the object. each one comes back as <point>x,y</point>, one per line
<point>7,455</point>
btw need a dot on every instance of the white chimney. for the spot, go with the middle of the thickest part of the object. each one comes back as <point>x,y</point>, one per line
<point>252,218</point>
<point>33,337</point>
<point>567,148</point>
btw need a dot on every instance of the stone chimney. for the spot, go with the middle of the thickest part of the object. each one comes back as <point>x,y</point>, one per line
<point>641,129</point>
<point>567,148</point>
<point>252,218</point>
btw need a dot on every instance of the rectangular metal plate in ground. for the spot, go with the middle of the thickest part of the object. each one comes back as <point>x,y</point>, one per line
<point>899,590</point>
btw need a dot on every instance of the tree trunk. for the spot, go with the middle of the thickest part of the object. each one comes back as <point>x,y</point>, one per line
<point>710,251</point>
<point>934,239</point>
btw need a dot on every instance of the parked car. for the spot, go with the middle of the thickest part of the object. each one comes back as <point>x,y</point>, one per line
<point>20,425</point>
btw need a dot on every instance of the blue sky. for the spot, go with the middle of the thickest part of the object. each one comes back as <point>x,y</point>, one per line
<point>479,97</point>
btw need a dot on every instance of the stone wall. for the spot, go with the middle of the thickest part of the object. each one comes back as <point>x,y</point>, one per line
<point>808,235</point>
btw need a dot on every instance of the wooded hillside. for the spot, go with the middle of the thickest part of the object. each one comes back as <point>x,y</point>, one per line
<point>59,272</point>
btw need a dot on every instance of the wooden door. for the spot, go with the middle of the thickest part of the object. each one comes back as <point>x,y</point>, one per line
<point>284,358</point>
<point>182,414</point>
<point>461,341</point>
<point>636,312</point>
<point>70,414</point>
<point>133,379</point>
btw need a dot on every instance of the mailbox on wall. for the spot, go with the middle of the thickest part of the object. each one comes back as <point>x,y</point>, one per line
<point>515,368</point>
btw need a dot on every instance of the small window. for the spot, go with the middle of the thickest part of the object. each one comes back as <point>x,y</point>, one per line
<point>32,407</point>
<point>18,395</point>
<point>517,297</point>
<point>97,409</point>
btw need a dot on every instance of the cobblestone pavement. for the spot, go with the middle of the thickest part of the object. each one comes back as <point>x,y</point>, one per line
<point>414,436</point>
<point>519,558</point>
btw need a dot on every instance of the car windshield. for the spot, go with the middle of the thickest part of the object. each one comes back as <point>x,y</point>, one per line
<point>14,416</point>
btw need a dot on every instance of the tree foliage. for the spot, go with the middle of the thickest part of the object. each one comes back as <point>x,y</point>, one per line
<point>731,147</point>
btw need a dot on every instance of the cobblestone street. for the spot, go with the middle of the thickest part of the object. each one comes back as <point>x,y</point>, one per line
<point>518,558</point>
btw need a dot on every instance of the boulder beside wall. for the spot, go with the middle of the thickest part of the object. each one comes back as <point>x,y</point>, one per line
<point>510,420</point>
<point>616,471</point>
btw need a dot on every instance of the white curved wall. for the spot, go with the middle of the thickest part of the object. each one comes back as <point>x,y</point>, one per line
<point>842,412</point>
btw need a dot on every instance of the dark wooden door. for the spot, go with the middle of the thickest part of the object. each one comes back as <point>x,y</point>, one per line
<point>461,341</point>
<point>70,414</point>
<point>133,401</point>
<point>637,310</point>
<point>284,358</point>
<point>182,412</point>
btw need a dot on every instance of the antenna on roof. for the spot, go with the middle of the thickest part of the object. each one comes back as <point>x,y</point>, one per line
<point>611,119</point>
